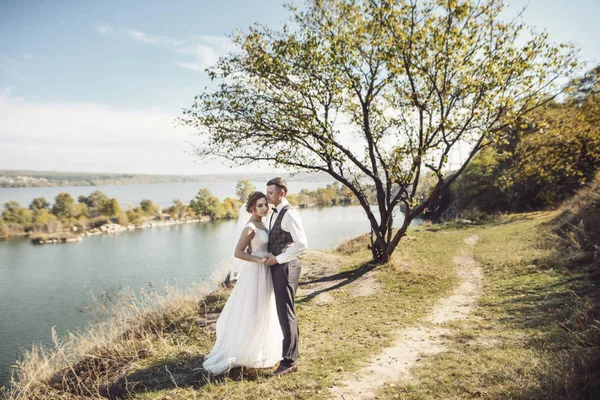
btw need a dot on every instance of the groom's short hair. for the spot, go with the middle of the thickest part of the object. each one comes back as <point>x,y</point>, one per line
<point>280,183</point>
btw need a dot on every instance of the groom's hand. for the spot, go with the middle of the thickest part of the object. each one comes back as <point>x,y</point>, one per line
<point>271,260</point>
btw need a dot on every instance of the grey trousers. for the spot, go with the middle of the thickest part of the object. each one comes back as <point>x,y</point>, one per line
<point>285,282</point>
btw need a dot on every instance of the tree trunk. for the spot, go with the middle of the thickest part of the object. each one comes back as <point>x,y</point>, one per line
<point>379,250</point>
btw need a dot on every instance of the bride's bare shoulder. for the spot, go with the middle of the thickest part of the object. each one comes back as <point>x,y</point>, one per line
<point>248,230</point>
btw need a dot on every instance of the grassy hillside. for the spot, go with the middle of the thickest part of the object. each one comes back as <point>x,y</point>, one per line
<point>534,333</point>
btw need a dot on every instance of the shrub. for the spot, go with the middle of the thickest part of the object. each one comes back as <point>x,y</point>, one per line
<point>99,221</point>
<point>149,207</point>
<point>578,224</point>
<point>3,229</point>
<point>134,216</point>
<point>83,222</point>
<point>122,219</point>
<point>13,229</point>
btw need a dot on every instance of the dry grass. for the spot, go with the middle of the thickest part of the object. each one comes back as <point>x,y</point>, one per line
<point>534,333</point>
<point>158,333</point>
<point>154,348</point>
<point>577,227</point>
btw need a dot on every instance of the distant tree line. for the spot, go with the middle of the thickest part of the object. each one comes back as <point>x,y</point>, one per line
<point>549,156</point>
<point>16,178</point>
<point>97,209</point>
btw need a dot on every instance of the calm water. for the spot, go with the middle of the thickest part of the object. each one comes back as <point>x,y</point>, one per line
<point>46,286</point>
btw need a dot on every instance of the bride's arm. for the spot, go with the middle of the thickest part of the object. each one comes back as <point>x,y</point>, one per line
<point>243,242</point>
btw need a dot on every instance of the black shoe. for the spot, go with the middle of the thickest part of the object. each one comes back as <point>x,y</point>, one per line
<point>284,369</point>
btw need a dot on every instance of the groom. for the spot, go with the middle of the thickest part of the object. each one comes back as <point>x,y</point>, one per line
<point>287,241</point>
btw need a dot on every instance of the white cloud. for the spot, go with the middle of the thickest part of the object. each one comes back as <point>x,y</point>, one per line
<point>202,50</point>
<point>203,57</point>
<point>94,137</point>
<point>103,29</point>
<point>155,40</point>
<point>207,52</point>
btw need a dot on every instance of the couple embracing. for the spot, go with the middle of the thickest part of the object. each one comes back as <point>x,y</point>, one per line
<point>257,327</point>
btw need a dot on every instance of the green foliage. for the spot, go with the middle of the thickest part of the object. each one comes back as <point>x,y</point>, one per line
<point>39,204</point>
<point>409,80</point>
<point>97,222</point>
<point>551,154</point>
<point>585,87</point>
<point>123,219</point>
<point>64,206</point>
<point>332,195</point>
<point>111,208</point>
<point>136,215</point>
<point>208,205</point>
<point>578,224</point>
<point>243,189</point>
<point>43,217</point>
<point>3,228</point>
<point>8,229</point>
<point>83,222</point>
<point>178,209</point>
<point>231,208</point>
<point>95,202</point>
<point>293,199</point>
<point>82,209</point>
<point>14,213</point>
<point>558,155</point>
<point>149,207</point>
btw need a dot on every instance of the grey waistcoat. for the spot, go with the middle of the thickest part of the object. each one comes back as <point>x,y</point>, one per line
<point>278,238</point>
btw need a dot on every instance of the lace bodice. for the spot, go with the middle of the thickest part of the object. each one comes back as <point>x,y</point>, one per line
<point>259,241</point>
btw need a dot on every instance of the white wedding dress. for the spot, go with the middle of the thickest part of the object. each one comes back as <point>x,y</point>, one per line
<point>248,330</point>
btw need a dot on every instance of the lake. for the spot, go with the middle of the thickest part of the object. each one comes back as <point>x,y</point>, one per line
<point>51,285</point>
<point>161,193</point>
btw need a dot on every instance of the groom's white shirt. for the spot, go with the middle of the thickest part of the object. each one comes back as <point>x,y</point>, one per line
<point>292,224</point>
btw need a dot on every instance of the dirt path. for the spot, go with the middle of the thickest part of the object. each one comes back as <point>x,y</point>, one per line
<point>424,339</point>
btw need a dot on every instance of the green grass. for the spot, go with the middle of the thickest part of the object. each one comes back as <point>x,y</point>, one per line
<point>524,339</point>
<point>336,337</point>
<point>531,336</point>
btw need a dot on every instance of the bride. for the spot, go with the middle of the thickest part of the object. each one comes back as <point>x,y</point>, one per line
<point>248,330</point>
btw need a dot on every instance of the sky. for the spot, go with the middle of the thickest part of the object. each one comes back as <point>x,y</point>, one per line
<point>95,86</point>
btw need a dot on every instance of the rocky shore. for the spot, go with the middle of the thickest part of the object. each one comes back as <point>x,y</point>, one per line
<point>107,229</point>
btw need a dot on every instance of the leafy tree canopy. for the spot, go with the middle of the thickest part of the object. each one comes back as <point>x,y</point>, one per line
<point>64,206</point>
<point>376,93</point>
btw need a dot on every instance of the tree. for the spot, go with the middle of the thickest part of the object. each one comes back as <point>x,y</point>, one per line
<point>305,199</point>
<point>243,189</point>
<point>150,208</point>
<point>14,213</point>
<point>64,206</point>
<point>293,199</point>
<point>178,209</point>
<point>552,153</point>
<point>111,208</point>
<point>586,87</point>
<point>95,202</point>
<point>231,207</point>
<point>82,209</point>
<point>43,217</point>
<point>207,205</point>
<point>38,204</point>
<point>376,93</point>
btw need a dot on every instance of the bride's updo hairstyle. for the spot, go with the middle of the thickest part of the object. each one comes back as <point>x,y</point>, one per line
<point>253,199</point>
